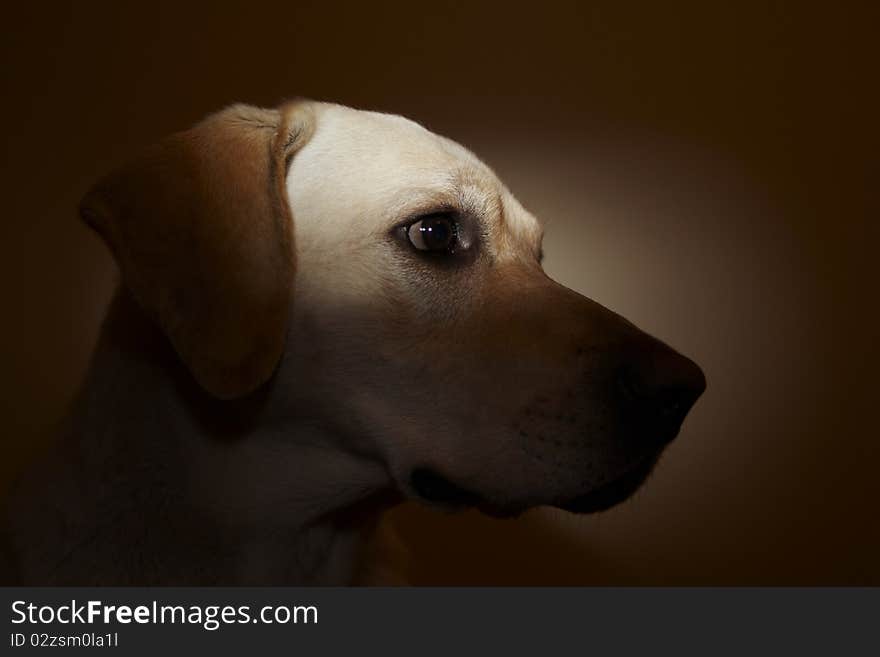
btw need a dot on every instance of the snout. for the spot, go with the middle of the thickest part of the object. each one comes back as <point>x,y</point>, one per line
<point>578,419</point>
<point>656,388</point>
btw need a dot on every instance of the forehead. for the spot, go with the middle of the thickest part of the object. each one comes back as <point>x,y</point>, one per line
<point>380,168</point>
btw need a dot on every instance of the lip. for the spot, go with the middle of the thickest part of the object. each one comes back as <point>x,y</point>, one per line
<point>434,488</point>
<point>612,493</point>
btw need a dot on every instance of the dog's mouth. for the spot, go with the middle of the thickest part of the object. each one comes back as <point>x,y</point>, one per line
<point>437,489</point>
<point>612,493</point>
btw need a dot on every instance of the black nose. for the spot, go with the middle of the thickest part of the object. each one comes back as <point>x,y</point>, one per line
<point>658,386</point>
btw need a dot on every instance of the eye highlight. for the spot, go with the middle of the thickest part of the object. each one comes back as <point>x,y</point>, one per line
<point>435,233</point>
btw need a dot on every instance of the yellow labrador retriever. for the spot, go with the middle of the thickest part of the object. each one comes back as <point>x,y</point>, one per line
<point>325,311</point>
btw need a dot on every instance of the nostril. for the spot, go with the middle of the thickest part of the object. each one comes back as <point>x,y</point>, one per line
<point>673,404</point>
<point>629,384</point>
<point>659,385</point>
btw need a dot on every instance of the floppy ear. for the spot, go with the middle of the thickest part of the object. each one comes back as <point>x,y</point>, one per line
<point>201,229</point>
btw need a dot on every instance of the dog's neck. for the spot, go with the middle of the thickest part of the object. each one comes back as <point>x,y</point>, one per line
<point>172,486</point>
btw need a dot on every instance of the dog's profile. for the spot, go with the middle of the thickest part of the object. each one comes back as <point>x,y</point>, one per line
<point>324,311</point>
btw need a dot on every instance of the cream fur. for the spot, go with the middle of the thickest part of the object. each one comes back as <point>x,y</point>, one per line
<point>485,371</point>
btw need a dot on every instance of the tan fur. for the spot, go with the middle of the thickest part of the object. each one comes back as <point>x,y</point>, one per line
<point>265,262</point>
<point>201,228</point>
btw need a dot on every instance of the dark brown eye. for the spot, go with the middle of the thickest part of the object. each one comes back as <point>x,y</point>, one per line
<point>436,233</point>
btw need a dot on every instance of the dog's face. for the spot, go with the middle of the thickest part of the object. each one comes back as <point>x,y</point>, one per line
<point>418,327</point>
<point>429,330</point>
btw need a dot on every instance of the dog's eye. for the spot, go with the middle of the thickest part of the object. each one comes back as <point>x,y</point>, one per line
<point>437,233</point>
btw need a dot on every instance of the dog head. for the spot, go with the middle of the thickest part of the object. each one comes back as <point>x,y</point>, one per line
<point>391,287</point>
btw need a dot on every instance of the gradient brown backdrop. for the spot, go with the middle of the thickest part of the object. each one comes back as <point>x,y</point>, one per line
<point>701,169</point>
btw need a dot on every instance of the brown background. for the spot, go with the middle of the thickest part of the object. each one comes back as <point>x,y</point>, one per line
<point>701,167</point>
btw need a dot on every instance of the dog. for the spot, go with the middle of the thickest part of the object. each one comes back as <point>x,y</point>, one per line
<point>322,312</point>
